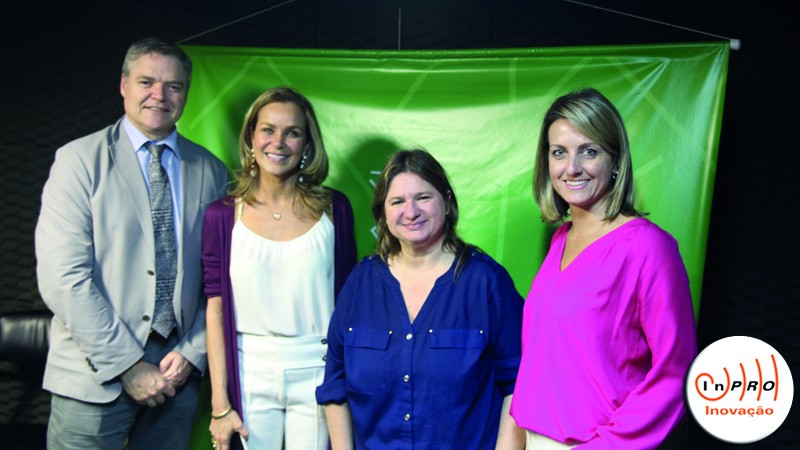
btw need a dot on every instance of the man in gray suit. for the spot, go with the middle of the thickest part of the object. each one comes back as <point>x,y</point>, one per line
<point>114,380</point>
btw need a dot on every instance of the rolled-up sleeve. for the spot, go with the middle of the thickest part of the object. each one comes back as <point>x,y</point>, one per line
<point>334,388</point>
<point>505,316</point>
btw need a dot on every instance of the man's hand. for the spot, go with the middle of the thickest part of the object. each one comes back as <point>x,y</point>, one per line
<point>175,368</point>
<point>146,385</point>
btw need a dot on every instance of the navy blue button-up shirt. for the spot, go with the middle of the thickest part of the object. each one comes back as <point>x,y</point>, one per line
<point>436,383</point>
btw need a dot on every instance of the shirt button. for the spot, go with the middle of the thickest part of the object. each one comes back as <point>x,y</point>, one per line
<point>407,416</point>
<point>151,272</point>
<point>323,341</point>
<point>146,318</point>
<point>406,378</point>
<point>409,336</point>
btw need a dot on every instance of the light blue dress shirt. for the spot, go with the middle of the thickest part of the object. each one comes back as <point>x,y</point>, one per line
<point>170,160</point>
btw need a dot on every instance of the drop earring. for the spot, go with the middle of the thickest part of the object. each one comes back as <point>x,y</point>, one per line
<point>252,163</point>
<point>302,166</point>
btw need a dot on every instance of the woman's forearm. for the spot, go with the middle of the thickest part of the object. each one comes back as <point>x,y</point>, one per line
<point>340,426</point>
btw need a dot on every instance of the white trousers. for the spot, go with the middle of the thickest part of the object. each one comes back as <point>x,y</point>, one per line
<point>535,441</point>
<point>279,377</point>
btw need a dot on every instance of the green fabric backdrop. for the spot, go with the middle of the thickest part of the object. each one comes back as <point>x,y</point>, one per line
<point>478,112</point>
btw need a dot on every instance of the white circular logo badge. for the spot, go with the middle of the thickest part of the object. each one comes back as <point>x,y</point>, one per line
<point>739,389</point>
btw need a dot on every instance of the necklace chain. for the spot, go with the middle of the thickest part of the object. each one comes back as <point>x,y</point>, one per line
<point>277,215</point>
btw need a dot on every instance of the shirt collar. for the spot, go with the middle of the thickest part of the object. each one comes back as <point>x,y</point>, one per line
<point>138,139</point>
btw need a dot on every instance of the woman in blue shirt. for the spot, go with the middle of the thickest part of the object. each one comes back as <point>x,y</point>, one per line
<point>424,342</point>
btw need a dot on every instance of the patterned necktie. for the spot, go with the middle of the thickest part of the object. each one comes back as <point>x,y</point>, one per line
<point>164,231</point>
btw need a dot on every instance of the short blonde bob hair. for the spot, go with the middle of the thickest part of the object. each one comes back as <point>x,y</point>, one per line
<point>594,116</point>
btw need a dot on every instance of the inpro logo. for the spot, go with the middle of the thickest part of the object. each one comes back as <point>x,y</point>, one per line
<point>739,389</point>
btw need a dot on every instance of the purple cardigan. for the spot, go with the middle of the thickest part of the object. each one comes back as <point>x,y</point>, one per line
<point>217,230</point>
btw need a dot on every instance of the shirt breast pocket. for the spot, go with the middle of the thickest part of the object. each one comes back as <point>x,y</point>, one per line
<point>456,361</point>
<point>366,359</point>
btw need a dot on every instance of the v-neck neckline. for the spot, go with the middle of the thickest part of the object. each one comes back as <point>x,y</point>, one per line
<point>430,299</point>
<point>594,243</point>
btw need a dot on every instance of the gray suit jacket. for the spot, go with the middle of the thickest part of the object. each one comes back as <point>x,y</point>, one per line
<point>96,261</point>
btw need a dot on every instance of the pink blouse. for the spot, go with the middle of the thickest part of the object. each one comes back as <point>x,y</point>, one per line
<point>607,342</point>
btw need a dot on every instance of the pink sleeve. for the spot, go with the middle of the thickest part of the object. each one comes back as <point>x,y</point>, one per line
<point>656,405</point>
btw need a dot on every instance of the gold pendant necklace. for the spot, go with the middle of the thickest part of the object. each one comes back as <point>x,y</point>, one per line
<point>279,214</point>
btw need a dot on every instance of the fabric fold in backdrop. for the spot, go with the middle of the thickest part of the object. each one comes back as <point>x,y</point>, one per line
<point>478,112</point>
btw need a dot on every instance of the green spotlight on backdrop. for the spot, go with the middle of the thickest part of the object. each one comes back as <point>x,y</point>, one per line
<point>479,113</point>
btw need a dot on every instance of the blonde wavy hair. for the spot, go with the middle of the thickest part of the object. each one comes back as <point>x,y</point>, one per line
<point>312,199</point>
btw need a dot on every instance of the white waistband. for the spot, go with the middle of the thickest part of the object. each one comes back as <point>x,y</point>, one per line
<point>537,441</point>
<point>294,352</point>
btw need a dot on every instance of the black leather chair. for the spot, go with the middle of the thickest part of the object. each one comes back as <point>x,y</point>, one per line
<point>24,340</point>
<point>25,336</point>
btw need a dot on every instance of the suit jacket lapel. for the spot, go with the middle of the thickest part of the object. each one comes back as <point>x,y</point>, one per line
<point>129,170</point>
<point>192,179</point>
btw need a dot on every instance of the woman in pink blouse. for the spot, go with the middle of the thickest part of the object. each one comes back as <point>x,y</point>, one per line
<point>608,328</point>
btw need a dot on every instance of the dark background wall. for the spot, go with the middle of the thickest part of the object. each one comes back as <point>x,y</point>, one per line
<point>60,80</point>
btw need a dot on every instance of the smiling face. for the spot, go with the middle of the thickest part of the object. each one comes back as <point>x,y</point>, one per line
<point>154,92</point>
<point>580,169</point>
<point>415,212</point>
<point>279,139</point>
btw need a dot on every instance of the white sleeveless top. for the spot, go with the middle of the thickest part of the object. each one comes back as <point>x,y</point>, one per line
<point>283,288</point>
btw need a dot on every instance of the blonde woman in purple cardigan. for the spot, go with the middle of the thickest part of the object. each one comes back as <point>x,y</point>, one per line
<point>608,329</point>
<point>276,252</point>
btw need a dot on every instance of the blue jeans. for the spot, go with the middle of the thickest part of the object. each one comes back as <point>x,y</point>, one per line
<point>75,424</point>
